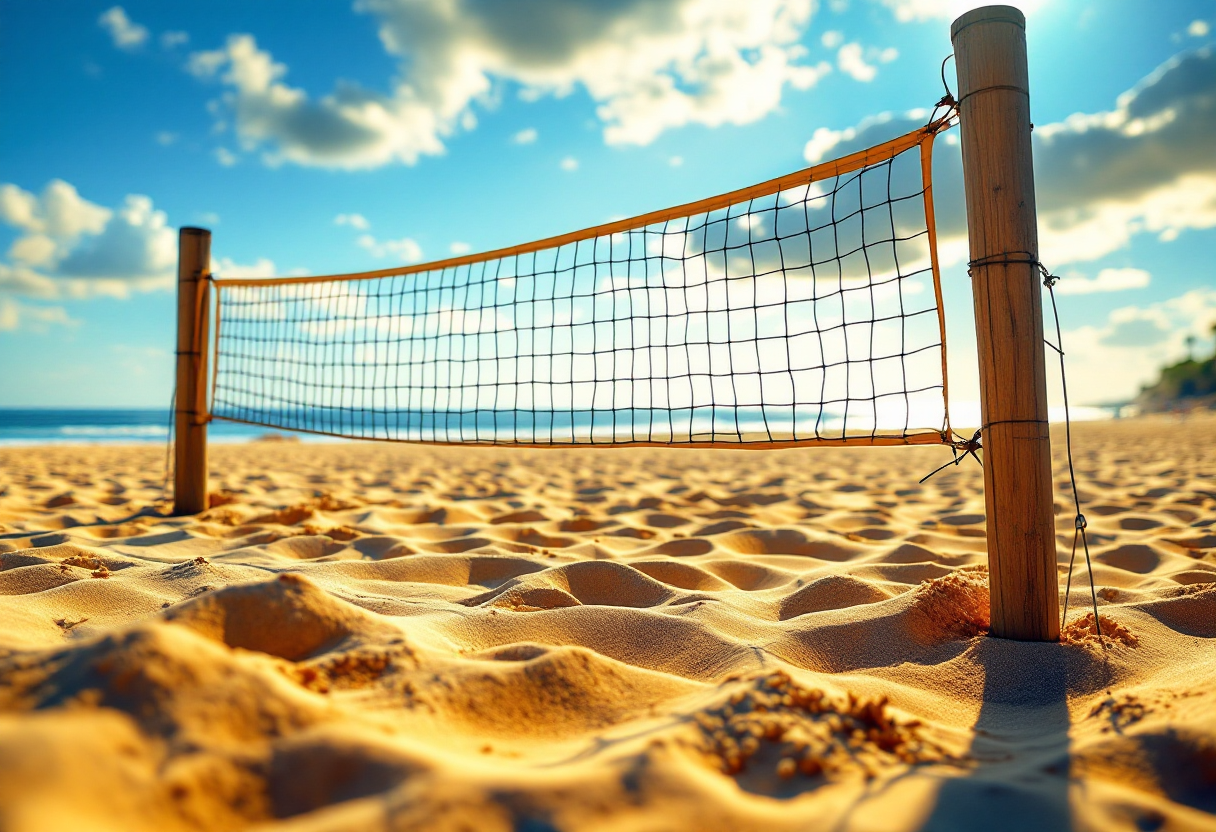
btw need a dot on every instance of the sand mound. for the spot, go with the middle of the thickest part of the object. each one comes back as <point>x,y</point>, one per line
<point>557,692</point>
<point>774,722</point>
<point>954,605</point>
<point>598,583</point>
<point>329,766</point>
<point>831,592</point>
<point>174,683</point>
<point>787,542</point>
<point>289,617</point>
<point>681,575</point>
<point>1082,631</point>
<point>1190,609</point>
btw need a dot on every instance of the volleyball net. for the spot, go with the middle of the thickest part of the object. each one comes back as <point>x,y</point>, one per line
<point>805,310</point>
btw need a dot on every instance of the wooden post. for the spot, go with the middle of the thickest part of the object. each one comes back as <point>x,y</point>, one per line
<point>993,89</point>
<point>190,451</point>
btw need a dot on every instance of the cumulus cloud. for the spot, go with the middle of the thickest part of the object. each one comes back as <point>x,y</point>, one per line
<point>457,248</point>
<point>852,60</point>
<point>526,136</point>
<point>909,11</point>
<point>649,67</point>
<point>851,63</point>
<point>1107,280</point>
<point>1137,341</point>
<point>136,245</point>
<point>60,213</point>
<point>353,220</point>
<point>169,40</point>
<point>1198,29</point>
<point>569,164</point>
<point>228,268</point>
<point>71,247</point>
<point>1144,167</point>
<point>126,33</point>
<point>406,249</point>
<point>15,315</point>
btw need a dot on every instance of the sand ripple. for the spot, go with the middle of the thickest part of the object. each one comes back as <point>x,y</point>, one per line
<point>383,638</point>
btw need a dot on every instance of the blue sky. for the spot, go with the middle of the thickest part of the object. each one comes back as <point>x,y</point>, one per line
<point>359,135</point>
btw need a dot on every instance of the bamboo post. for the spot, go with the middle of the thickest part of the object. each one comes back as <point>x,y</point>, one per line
<point>190,409</point>
<point>994,111</point>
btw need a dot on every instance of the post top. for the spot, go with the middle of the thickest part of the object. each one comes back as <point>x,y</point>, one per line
<point>987,14</point>
<point>191,230</point>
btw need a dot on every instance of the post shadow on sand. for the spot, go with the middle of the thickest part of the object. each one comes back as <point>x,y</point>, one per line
<point>1020,754</point>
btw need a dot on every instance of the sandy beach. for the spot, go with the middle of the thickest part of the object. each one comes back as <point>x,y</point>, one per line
<point>388,637</point>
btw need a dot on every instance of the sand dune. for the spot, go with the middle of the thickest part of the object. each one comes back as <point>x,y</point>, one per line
<point>374,637</point>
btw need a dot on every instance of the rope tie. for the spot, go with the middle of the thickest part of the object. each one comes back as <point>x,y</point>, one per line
<point>969,448</point>
<point>947,103</point>
<point>994,87</point>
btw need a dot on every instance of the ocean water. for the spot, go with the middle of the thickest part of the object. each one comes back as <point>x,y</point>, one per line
<point>151,425</point>
<point>79,426</point>
<point>82,426</point>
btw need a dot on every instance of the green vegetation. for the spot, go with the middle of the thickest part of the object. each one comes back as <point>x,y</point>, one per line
<point>1185,385</point>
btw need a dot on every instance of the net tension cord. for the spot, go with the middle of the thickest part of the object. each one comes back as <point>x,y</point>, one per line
<point>971,446</point>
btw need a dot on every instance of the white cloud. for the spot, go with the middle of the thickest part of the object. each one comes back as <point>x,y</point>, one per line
<point>352,128</point>
<point>1107,280</point>
<point>1112,361</point>
<point>406,249</point>
<point>207,64</point>
<point>907,11</point>
<point>168,40</point>
<point>33,250</point>
<point>885,56</point>
<point>166,138</point>
<point>15,315</point>
<point>824,140</point>
<point>1198,29</point>
<point>649,67</point>
<point>60,212</point>
<point>676,161</point>
<point>70,247</point>
<point>1146,166</point>
<point>353,220</point>
<point>135,244</point>
<point>851,63</point>
<point>227,268</point>
<point>459,248</point>
<point>569,164</point>
<point>24,281</point>
<point>832,38</point>
<point>1079,229</point>
<point>125,33</point>
<point>225,157</point>
<point>525,136</point>
<point>1101,178</point>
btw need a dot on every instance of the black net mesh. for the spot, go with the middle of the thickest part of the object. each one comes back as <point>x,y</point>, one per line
<point>808,314</point>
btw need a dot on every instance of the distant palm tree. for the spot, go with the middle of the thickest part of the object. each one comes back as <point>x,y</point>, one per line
<point>1190,347</point>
